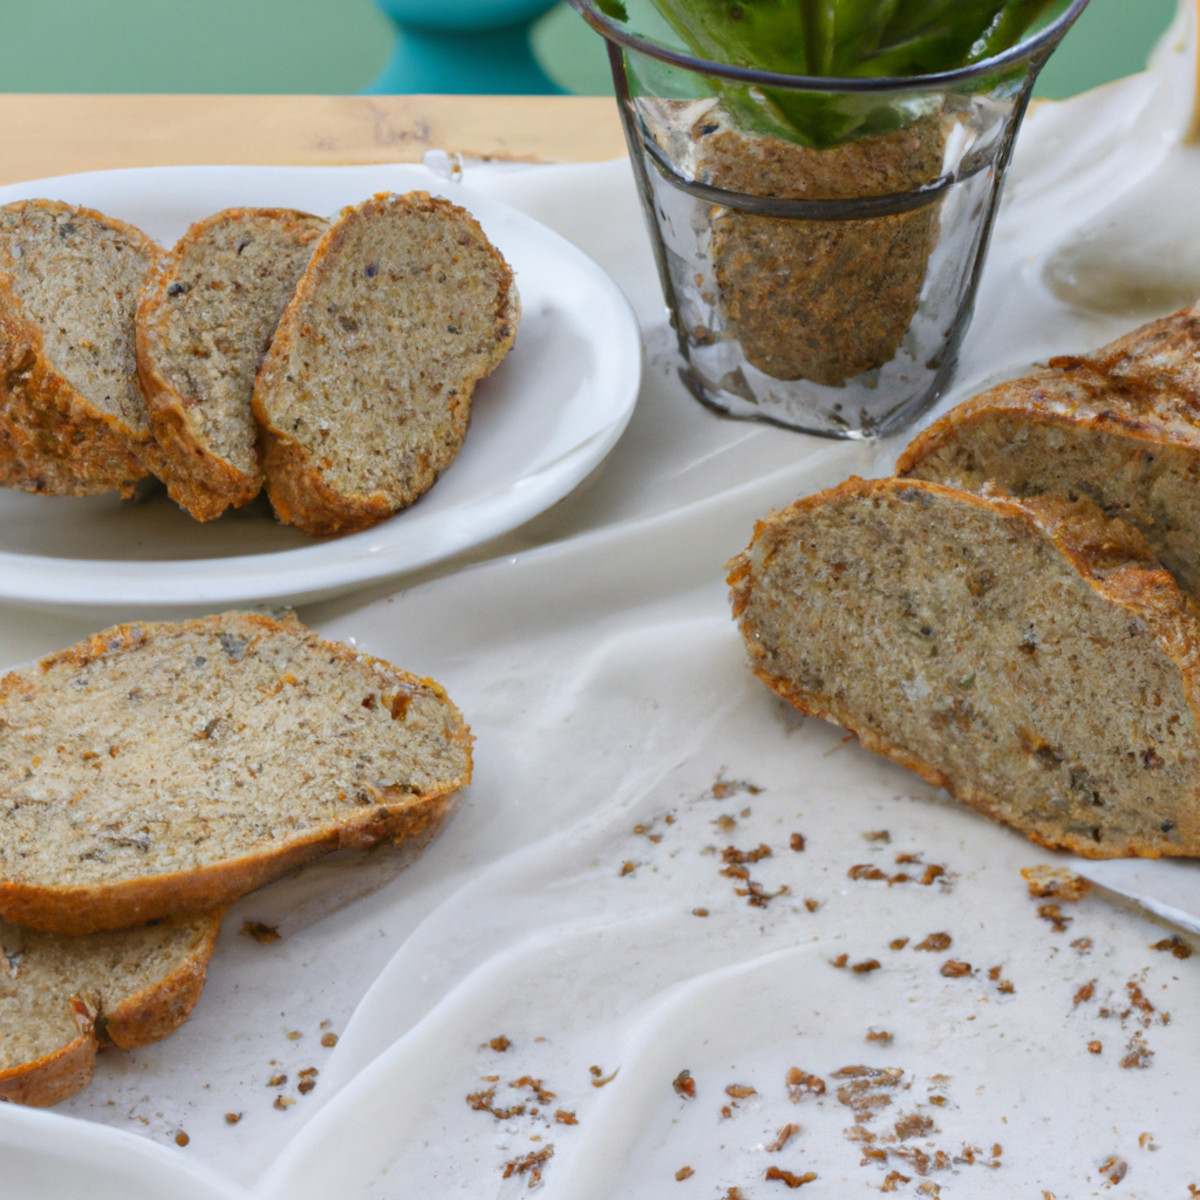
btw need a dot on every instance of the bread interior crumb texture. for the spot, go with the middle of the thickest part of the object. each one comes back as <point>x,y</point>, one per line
<point>199,742</point>
<point>73,272</point>
<point>973,644</point>
<point>219,308</point>
<point>396,322</point>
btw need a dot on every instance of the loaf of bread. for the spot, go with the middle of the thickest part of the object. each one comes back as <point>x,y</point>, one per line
<point>1120,426</point>
<point>64,998</point>
<point>365,394</point>
<point>1030,656</point>
<point>156,769</point>
<point>202,332</point>
<point>73,419</point>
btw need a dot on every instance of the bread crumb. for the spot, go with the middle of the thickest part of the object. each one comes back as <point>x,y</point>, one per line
<point>261,932</point>
<point>329,1040</point>
<point>181,1138</point>
<point>1054,914</point>
<point>1114,1169</point>
<point>232,1118</point>
<point>790,1177</point>
<point>785,1135</point>
<point>935,941</point>
<point>801,1083</point>
<point>684,1173</point>
<point>954,968</point>
<point>1055,883</point>
<point>1175,945</point>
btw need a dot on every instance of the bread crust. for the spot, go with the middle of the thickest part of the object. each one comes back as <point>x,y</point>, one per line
<point>146,1015</point>
<point>55,1076</point>
<point>1112,561</point>
<point>395,816</point>
<point>54,439</point>
<point>378,812</point>
<point>304,488</point>
<point>1120,426</point>
<point>197,476</point>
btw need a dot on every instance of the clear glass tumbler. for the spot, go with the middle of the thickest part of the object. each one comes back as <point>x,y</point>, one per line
<point>825,289</point>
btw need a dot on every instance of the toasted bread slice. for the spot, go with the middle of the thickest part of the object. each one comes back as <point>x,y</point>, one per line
<point>365,395</point>
<point>155,769</point>
<point>73,419</point>
<point>202,332</point>
<point>64,998</point>
<point>1031,657</point>
<point>1120,426</point>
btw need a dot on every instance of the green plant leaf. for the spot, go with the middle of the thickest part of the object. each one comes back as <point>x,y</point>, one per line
<point>841,38</point>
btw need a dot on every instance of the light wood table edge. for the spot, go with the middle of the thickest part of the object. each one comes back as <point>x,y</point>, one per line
<point>43,135</point>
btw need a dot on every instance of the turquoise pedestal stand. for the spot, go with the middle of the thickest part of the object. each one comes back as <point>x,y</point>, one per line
<point>469,47</point>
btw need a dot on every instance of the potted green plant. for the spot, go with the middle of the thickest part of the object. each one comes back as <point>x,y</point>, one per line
<point>821,177</point>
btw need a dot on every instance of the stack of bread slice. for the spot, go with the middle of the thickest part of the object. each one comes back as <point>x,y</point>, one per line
<point>331,362</point>
<point>1013,615</point>
<point>154,773</point>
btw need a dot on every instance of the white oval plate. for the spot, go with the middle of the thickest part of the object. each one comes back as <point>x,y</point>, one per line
<point>546,417</point>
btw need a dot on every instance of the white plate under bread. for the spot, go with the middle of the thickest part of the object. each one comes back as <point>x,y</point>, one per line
<point>540,424</point>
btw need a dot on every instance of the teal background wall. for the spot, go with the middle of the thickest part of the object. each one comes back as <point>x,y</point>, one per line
<point>340,46</point>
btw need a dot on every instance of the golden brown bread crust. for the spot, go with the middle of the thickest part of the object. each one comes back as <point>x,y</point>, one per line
<point>1120,426</point>
<point>53,439</point>
<point>57,1075</point>
<point>102,1019</point>
<point>78,909</point>
<point>301,497</point>
<point>378,812</point>
<point>305,487</point>
<point>824,632</point>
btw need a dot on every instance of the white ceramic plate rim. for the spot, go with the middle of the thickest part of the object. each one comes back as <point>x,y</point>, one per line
<point>585,415</point>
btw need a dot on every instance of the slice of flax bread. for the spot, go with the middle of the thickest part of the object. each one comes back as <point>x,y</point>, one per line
<point>62,999</point>
<point>73,419</point>
<point>202,332</point>
<point>365,394</point>
<point>162,768</point>
<point>1120,426</point>
<point>1030,656</point>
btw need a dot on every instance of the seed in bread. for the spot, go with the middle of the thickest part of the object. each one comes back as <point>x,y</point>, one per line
<point>162,768</point>
<point>202,332</point>
<point>73,419</point>
<point>1120,426</point>
<point>365,395</point>
<point>1030,656</point>
<point>62,999</point>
